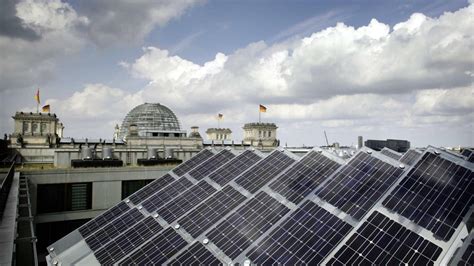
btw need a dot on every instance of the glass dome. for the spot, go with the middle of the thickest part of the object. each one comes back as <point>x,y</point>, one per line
<point>151,119</point>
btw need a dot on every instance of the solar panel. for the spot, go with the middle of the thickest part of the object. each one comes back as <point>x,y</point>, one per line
<point>197,254</point>
<point>211,211</point>
<point>359,184</point>
<point>186,201</point>
<point>91,226</point>
<point>151,188</point>
<point>114,228</point>
<point>158,250</point>
<point>467,152</point>
<point>212,164</point>
<point>436,194</point>
<point>191,163</point>
<point>410,157</point>
<point>264,171</point>
<point>303,177</point>
<point>128,241</point>
<point>390,153</point>
<point>161,197</point>
<point>234,167</point>
<point>237,232</point>
<point>382,241</point>
<point>304,238</point>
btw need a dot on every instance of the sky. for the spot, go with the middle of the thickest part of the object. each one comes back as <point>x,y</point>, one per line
<point>377,69</point>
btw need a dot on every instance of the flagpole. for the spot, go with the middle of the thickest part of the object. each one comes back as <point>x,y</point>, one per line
<point>259,116</point>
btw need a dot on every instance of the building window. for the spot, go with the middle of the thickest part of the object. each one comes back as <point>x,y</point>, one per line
<point>64,197</point>
<point>269,133</point>
<point>34,128</point>
<point>43,128</point>
<point>260,133</point>
<point>132,186</point>
<point>25,127</point>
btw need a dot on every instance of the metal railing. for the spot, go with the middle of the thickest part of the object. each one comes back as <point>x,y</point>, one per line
<point>5,188</point>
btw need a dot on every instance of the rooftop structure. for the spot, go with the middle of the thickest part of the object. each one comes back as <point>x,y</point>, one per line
<point>151,119</point>
<point>251,208</point>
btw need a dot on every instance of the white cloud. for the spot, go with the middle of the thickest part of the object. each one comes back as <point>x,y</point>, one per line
<point>118,22</point>
<point>28,62</point>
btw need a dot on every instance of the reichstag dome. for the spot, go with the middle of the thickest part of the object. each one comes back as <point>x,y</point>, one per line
<point>152,120</point>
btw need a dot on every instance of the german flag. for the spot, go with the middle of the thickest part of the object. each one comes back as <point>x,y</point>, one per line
<point>263,109</point>
<point>46,109</point>
<point>37,96</point>
<point>220,116</point>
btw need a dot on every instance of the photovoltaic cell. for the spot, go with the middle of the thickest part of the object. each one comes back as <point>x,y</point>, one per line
<point>234,167</point>
<point>91,226</point>
<point>304,238</point>
<point>467,257</point>
<point>382,241</point>
<point>391,154</point>
<point>191,163</point>
<point>211,211</point>
<point>151,188</point>
<point>197,254</point>
<point>161,197</point>
<point>158,250</point>
<point>128,241</point>
<point>247,224</point>
<point>436,194</point>
<point>212,164</point>
<point>304,176</point>
<point>186,201</point>
<point>410,157</point>
<point>359,184</point>
<point>264,171</point>
<point>113,229</point>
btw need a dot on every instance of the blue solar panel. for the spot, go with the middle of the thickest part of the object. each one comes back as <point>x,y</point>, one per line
<point>436,194</point>
<point>186,201</point>
<point>382,241</point>
<point>161,197</point>
<point>193,162</point>
<point>128,241</point>
<point>211,211</point>
<point>247,224</point>
<point>235,167</point>
<point>151,188</point>
<point>113,229</point>
<point>304,238</point>
<point>359,184</point>
<point>410,157</point>
<point>304,176</point>
<point>390,153</point>
<point>158,250</point>
<point>212,164</point>
<point>197,254</point>
<point>103,219</point>
<point>264,171</point>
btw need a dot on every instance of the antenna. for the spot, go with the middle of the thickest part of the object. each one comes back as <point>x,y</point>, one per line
<point>326,136</point>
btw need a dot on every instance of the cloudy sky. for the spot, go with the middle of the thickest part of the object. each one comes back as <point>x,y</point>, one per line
<point>380,69</point>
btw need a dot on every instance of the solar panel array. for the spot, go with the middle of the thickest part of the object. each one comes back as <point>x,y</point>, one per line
<point>281,209</point>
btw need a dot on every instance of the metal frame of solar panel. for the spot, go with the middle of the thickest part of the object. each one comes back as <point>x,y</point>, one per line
<point>410,157</point>
<point>437,193</point>
<point>391,153</point>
